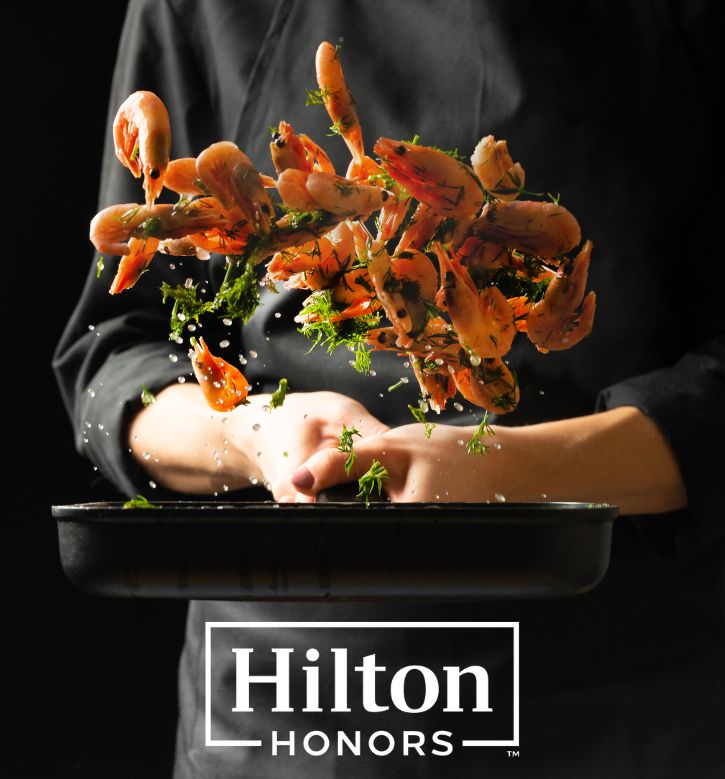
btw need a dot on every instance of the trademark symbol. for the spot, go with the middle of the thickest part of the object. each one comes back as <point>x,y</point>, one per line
<point>513,752</point>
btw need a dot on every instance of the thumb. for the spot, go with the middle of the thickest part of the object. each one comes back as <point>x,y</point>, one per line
<point>326,468</point>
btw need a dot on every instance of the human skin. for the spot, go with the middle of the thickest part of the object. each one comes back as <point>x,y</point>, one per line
<point>617,456</point>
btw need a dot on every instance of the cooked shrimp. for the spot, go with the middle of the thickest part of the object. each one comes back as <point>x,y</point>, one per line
<point>563,317</point>
<point>420,229</point>
<point>483,321</point>
<point>338,99</point>
<point>133,264</point>
<point>142,139</point>
<point>181,177</point>
<point>316,155</point>
<point>532,227</point>
<point>436,386</point>
<point>350,199</point>
<point>228,174</point>
<point>287,150</point>
<point>496,170</point>
<point>223,385</point>
<point>112,228</point>
<point>490,385</point>
<point>292,188</point>
<point>433,177</point>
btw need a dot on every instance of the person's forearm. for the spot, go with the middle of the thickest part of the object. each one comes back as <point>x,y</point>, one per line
<point>617,457</point>
<point>186,446</point>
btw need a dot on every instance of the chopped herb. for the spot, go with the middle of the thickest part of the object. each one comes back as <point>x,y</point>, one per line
<point>272,130</point>
<point>139,502</point>
<point>239,294</point>
<point>315,97</point>
<point>134,153</point>
<point>187,304</point>
<point>345,446</point>
<point>99,266</point>
<point>344,188</point>
<point>151,227</point>
<point>374,477</point>
<point>419,416</point>
<point>554,200</point>
<point>285,454</point>
<point>127,216</point>
<point>147,397</point>
<point>385,179</point>
<point>337,50</point>
<point>415,140</point>
<point>476,445</point>
<point>395,386</point>
<point>336,128</point>
<point>278,395</point>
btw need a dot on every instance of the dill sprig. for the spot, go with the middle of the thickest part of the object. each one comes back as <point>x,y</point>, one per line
<point>187,304</point>
<point>279,394</point>
<point>371,479</point>
<point>140,502</point>
<point>419,416</point>
<point>238,295</point>
<point>99,267</point>
<point>476,444</point>
<point>147,397</point>
<point>346,447</point>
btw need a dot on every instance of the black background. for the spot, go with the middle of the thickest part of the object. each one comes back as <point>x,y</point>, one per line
<point>90,684</point>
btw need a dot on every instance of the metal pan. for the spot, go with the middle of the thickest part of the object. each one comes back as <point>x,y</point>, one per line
<point>334,550</point>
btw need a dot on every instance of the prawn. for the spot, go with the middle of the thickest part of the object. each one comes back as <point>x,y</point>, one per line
<point>142,140</point>
<point>134,264</point>
<point>490,385</point>
<point>446,185</point>
<point>338,99</point>
<point>436,386</point>
<point>287,151</point>
<point>223,385</point>
<point>498,173</point>
<point>181,177</point>
<point>316,155</point>
<point>529,226</point>
<point>228,175</point>
<point>113,227</point>
<point>483,321</point>
<point>563,317</point>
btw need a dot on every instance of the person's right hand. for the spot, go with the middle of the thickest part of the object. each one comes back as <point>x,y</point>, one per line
<point>274,442</point>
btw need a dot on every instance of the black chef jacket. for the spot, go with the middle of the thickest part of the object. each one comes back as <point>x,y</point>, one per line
<point>610,104</point>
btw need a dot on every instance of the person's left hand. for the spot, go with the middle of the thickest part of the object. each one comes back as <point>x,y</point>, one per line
<point>420,469</point>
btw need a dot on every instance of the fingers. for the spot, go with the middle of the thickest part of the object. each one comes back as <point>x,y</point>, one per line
<point>327,468</point>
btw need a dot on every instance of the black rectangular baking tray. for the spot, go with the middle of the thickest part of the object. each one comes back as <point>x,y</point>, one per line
<point>335,551</point>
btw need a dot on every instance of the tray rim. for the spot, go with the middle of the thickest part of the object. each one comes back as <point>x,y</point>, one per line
<point>231,512</point>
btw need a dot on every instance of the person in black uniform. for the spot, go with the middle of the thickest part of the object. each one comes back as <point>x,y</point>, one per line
<point>604,103</point>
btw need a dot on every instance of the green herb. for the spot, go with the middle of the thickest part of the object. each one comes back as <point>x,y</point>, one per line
<point>512,284</point>
<point>344,188</point>
<point>239,292</point>
<point>374,477</point>
<point>315,97</point>
<point>272,130</point>
<point>345,445</point>
<point>139,502</point>
<point>134,153</point>
<point>419,416</point>
<point>99,266</point>
<point>415,140</point>
<point>397,385</point>
<point>278,395</point>
<point>337,50</point>
<point>322,331</point>
<point>336,128</point>
<point>554,200</point>
<point>476,444</point>
<point>187,304</point>
<point>147,397</point>
<point>151,227</point>
<point>385,179</point>
<point>127,216</point>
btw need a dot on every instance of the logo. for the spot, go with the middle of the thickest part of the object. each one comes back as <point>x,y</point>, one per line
<point>427,688</point>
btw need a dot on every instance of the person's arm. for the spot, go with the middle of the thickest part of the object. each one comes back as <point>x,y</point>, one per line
<point>618,457</point>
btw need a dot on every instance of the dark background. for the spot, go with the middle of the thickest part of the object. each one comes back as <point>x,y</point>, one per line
<point>90,684</point>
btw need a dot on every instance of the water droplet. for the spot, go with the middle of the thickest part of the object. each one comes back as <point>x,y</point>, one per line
<point>380,394</point>
<point>438,361</point>
<point>543,495</point>
<point>475,360</point>
<point>227,322</point>
<point>181,316</point>
<point>100,426</point>
<point>174,357</point>
<point>253,479</point>
<point>172,266</point>
<point>256,426</point>
<point>242,359</point>
<point>191,328</point>
<point>541,392</point>
<point>277,315</point>
<point>373,373</point>
<point>189,282</point>
<point>146,455</point>
<point>152,484</point>
<point>85,441</point>
<point>91,327</point>
<point>499,497</point>
<point>253,354</point>
<point>497,445</point>
<point>88,425</point>
<point>91,392</point>
<point>460,442</point>
<point>437,497</point>
<point>458,406</point>
<point>406,364</point>
<point>404,379</point>
<point>225,487</point>
<point>223,344</point>
<point>178,340</point>
<point>181,380</point>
